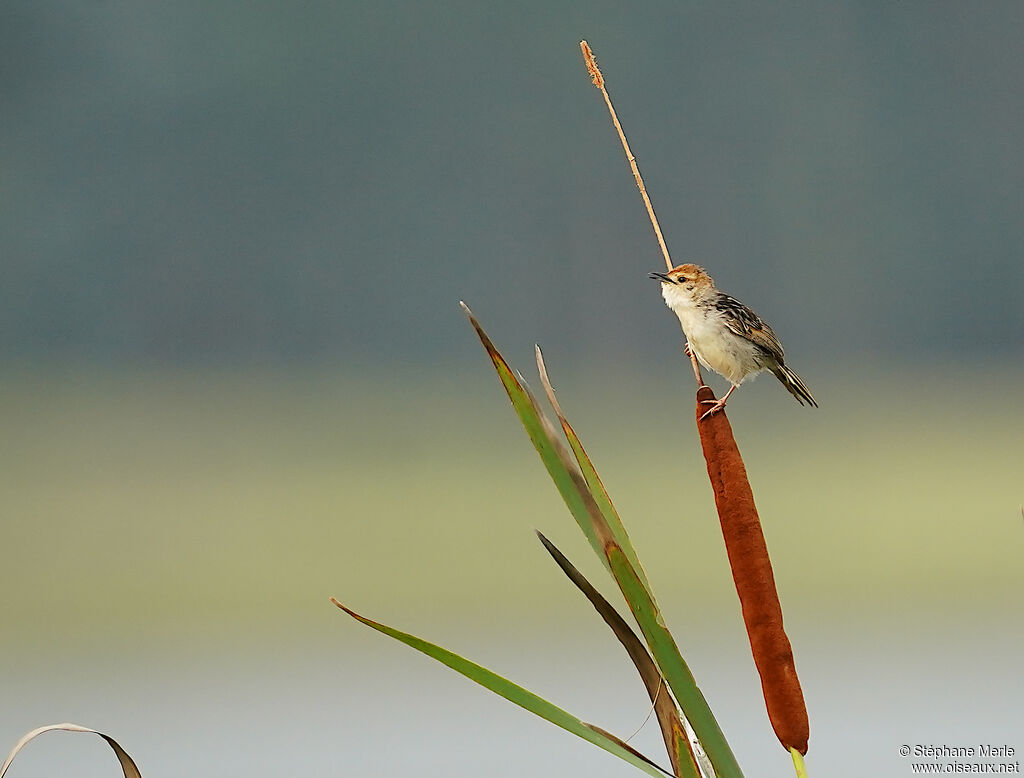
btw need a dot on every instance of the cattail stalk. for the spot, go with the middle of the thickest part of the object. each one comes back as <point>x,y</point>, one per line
<point>598,79</point>
<point>741,527</point>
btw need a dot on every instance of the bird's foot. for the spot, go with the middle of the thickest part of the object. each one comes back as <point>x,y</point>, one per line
<point>716,406</point>
<point>687,350</point>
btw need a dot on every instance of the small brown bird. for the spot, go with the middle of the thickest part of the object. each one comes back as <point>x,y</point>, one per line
<point>724,334</point>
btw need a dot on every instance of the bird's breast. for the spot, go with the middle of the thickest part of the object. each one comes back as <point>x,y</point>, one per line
<point>716,346</point>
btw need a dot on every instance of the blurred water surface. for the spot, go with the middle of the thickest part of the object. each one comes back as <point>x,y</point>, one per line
<point>172,537</point>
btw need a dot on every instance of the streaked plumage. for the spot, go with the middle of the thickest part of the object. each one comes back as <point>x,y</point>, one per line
<point>724,334</point>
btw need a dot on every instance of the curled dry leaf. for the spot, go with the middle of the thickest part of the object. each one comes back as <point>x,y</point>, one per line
<point>128,765</point>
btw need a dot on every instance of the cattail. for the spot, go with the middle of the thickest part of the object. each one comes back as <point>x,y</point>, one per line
<point>752,572</point>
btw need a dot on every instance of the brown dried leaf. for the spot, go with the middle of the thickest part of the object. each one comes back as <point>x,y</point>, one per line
<point>676,742</point>
<point>128,765</point>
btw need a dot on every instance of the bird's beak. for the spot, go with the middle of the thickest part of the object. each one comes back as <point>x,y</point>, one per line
<point>661,277</point>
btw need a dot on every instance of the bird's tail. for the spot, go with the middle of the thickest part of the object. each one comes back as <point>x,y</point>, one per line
<point>794,385</point>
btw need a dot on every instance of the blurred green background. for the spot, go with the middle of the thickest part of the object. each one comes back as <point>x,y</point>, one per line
<point>235,379</point>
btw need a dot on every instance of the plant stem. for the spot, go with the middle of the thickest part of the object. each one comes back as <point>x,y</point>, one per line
<point>598,79</point>
<point>798,763</point>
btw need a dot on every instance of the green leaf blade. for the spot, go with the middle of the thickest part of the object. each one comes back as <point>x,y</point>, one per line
<point>676,742</point>
<point>593,480</point>
<point>584,506</point>
<point>567,479</point>
<point>515,694</point>
<point>673,666</point>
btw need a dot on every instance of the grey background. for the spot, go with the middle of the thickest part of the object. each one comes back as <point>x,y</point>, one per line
<point>320,181</point>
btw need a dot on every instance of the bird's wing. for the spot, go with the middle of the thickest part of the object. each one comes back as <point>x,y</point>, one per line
<point>747,324</point>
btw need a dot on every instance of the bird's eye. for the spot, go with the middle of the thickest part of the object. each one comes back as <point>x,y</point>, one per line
<point>680,280</point>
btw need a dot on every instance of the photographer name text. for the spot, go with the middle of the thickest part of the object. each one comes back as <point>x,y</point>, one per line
<point>983,751</point>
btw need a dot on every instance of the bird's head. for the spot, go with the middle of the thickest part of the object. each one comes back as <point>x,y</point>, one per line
<point>684,285</point>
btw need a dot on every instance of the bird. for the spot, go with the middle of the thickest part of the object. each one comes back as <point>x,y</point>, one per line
<point>725,335</point>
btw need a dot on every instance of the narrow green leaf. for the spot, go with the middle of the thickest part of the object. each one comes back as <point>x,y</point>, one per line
<point>594,483</point>
<point>569,481</point>
<point>676,742</point>
<point>673,666</point>
<point>584,508</point>
<point>517,694</point>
